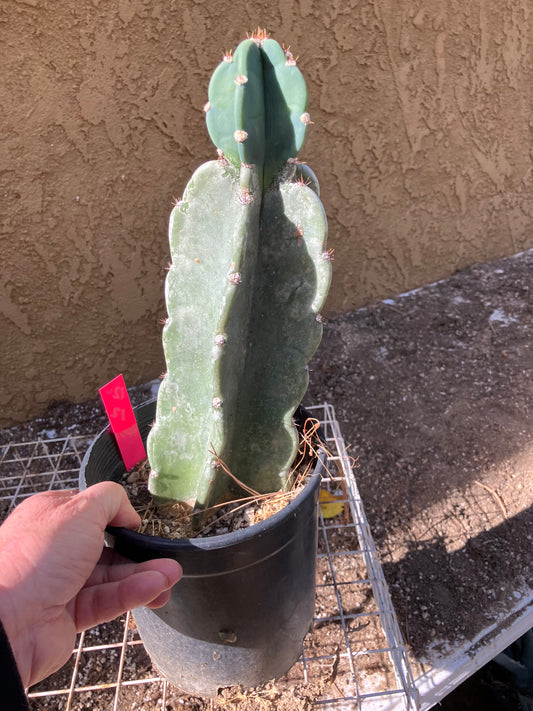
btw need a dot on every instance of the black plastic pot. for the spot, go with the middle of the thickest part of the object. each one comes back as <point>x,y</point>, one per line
<point>246,600</point>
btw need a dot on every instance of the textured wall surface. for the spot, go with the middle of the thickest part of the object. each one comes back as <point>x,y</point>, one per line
<point>422,142</point>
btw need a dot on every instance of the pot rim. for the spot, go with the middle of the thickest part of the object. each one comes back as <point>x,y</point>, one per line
<point>222,540</point>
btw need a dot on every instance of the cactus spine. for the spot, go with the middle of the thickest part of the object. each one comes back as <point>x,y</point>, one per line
<point>248,278</point>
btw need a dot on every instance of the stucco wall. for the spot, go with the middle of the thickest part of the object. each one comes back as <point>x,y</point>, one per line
<point>422,142</point>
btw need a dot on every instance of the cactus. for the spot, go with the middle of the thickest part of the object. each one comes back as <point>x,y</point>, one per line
<point>249,275</point>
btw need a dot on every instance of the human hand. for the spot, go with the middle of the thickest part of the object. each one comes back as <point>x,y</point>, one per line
<point>55,579</point>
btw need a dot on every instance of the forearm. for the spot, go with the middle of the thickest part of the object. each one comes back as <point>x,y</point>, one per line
<point>10,682</point>
<point>16,612</point>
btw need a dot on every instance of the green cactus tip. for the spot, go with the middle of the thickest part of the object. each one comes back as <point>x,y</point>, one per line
<point>257,108</point>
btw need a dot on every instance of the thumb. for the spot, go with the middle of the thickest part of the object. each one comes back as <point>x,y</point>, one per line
<point>109,504</point>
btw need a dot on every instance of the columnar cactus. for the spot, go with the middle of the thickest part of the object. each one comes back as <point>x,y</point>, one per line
<point>249,275</point>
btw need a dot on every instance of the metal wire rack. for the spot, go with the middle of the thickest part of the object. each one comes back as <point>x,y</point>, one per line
<point>354,658</point>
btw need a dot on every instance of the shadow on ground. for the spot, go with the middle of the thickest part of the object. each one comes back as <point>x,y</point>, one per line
<point>433,391</point>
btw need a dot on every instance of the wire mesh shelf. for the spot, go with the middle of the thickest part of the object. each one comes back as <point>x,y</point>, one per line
<point>354,657</point>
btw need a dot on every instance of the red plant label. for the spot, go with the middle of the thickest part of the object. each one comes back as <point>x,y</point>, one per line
<point>123,423</point>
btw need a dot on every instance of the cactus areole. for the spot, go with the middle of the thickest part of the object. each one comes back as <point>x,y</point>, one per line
<point>249,275</point>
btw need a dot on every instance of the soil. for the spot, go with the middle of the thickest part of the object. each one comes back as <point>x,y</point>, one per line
<point>177,520</point>
<point>433,393</point>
